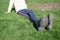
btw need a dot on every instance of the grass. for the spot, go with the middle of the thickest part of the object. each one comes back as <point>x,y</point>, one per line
<point>15,27</point>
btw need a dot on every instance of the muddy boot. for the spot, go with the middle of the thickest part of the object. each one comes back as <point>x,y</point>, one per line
<point>50,21</point>
<point>43,23</point>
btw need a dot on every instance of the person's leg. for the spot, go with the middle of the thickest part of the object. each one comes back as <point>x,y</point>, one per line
<point>30,14</point>
<point>38,24</point>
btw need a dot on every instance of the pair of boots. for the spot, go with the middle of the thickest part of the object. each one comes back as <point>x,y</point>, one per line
<point>44,23</point>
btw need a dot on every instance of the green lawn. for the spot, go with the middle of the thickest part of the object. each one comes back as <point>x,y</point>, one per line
<point>15,27</point>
